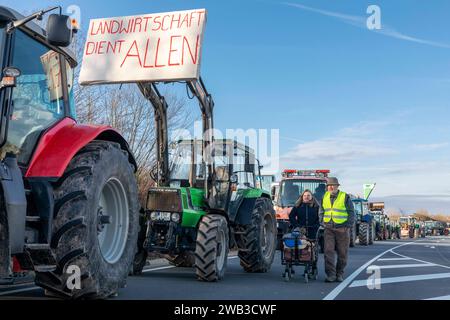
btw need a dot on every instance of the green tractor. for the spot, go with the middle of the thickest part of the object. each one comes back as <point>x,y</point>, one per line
<point>206,201</point>
<point>382,226</point>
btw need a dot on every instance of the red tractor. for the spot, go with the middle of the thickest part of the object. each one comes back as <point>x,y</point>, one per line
<point>292,185</point>
<point>69,208</point>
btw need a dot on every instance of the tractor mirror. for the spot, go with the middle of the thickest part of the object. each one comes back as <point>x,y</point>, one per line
<point>59,30</point>
<point>10,74</point>
<point>234,178</point>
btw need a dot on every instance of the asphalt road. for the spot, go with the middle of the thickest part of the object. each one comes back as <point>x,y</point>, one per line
<point>393,269</point>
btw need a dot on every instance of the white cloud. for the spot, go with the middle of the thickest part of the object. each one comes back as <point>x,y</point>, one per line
<point>431,146</point>
<point>347,144</point>
<point>338,148</point>
<point>361,23</point>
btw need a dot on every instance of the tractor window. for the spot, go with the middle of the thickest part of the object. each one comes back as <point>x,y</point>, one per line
<point>38,96</point>
<point>357,206</point>
<point>291,189</point>
<point>180,168</point>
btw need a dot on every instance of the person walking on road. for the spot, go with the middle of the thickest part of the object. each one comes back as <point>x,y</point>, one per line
<point>338,216</point>
<point>305,214</point>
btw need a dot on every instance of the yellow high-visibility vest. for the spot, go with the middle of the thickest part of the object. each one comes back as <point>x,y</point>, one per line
<point>336,212</point>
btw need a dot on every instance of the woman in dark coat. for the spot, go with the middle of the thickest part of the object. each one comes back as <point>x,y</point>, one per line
<point>305,214</point>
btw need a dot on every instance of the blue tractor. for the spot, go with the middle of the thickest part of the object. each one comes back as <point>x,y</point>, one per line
<point>364,227</point>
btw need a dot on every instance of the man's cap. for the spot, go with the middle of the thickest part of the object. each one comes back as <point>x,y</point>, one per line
<point>332,181</point>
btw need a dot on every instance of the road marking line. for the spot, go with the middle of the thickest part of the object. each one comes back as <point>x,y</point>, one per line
<point>159,268</point>
<point>393,259</point>
<point>423,261</point>
<point>170,267</point>
<point>363,283</point>
<point>418,243</point>
<point>18,291</point>
<point>439,298</point>
<point>412,265</point>
<point>336,291</point>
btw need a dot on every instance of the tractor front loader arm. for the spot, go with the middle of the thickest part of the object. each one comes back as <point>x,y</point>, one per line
<point>151,93</point>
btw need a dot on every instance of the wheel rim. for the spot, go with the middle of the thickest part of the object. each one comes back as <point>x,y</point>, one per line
<point>267,238</point>
<point>112,231</point>
<point>221,250</point>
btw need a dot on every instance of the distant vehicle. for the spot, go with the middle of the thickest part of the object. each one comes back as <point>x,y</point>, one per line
<point>383,230</point>
<point>364,227</point>
<point>409,227</point>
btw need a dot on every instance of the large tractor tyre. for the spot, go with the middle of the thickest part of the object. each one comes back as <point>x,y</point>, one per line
<point>353,236</point>
<point>259,239</point>
<point>183,260</point>
<point>363,234</point>
<point>212,246</point>
<point>371,233</point>
<point>140,259</point>
<point>95,226</point>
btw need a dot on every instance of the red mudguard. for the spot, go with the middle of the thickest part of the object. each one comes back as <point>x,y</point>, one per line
<point>59,144</point>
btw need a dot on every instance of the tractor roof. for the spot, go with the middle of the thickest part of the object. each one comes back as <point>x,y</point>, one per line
<point>235,143</point>
<point>34,30</point>
<point>309,178</point>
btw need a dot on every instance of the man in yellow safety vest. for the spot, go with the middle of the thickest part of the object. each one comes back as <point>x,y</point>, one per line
<point>338,216</point>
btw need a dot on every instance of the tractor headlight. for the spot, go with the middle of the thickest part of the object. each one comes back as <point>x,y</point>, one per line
<point>175,217</point>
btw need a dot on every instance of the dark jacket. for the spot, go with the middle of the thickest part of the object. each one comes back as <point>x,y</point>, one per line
<point>307,215</point>
<point>350,210</point>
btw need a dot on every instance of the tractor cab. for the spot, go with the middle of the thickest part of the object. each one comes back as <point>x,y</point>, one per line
<point>235,168</point>
<point>40,92</point>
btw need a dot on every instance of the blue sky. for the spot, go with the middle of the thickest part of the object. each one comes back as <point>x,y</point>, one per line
<point>370,106</point>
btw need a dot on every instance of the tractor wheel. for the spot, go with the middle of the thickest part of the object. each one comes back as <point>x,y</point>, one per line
<point>259,238</point>
<point>185,260</point>
<point>371,234</point>
<point>353,236</point>
<point>212,245</point>
<point>363,234</point>
<point>95,226</point>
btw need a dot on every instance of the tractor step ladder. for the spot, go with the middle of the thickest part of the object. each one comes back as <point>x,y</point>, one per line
<point>41,257</point>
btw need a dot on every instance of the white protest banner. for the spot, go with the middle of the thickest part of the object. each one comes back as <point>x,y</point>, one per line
<point>151,47</point>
